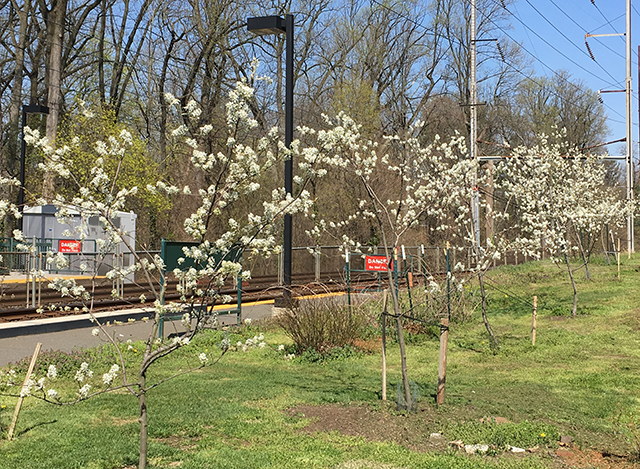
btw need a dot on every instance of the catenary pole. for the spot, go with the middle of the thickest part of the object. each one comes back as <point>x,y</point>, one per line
<point>473,118</point>
<point>629,159</point>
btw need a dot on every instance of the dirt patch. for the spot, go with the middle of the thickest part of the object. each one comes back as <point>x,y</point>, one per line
<point>374,425</point>
<point>420,432</point>
<point>368,346</point>
<point>574,457</point>
<point>558,318</point>
<point>118,421</point>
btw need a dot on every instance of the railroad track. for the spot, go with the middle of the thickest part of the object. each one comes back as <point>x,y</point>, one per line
<point>12,307</point>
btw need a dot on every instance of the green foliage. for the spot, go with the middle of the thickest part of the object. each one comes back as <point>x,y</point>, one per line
<point>311,355</point>
<point>522,435</point>
<point>627,426</point>
<point>136,168</point>
<point>240,412</point>
<point>67,363</point>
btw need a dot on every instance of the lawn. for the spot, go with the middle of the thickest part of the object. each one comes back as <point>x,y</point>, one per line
<point>256,409</point>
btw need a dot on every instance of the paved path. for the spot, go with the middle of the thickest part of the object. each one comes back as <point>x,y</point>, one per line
<point>18,340</point>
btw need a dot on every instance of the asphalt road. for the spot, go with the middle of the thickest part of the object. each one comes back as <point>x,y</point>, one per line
<point>18,340</point>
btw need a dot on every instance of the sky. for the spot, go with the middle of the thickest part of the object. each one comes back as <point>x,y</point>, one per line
<point>552,32</point>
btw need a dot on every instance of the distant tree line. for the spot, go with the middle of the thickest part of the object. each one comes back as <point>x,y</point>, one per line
<point>102,66</point>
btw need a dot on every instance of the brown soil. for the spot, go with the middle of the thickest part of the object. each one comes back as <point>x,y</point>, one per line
<point>371,424</point>
<point>574,457</point>
<point>418,433</point>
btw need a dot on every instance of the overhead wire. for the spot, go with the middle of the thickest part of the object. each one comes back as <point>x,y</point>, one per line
<point>544,64</point>
<point>581,49</point>
<point>593,2</point>
<point>551,46</point>
<point>570,18</point>
<point>525,75</point>
<point>514,68</point>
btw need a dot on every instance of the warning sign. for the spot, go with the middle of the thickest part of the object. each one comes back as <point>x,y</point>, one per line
<point>69,246</point>
<point>377,263</point>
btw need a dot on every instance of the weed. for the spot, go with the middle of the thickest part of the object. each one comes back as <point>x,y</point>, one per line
<point>626,425</point>
<point>523,435</point>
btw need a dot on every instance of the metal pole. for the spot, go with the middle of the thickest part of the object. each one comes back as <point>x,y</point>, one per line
<point>473,115</point>
<point>23,151</point>
<point>448,283</point>
<point>630,218</point>
<point>288,164</point>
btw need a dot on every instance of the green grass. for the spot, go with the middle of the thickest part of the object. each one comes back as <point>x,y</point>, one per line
<point>581,379</point>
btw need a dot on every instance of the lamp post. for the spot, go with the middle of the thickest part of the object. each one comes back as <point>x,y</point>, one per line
<point>26,109</point>
<point>261,26</point>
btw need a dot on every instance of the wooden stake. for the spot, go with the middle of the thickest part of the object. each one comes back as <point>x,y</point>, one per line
<point>24,385</point>
<point>442,367</point>
<point>618,258</point>
<point>384,345</point>
<point>534,320</point>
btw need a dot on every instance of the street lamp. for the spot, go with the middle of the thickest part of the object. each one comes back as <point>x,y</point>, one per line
<point>261,26</point>
<point>26,109</point>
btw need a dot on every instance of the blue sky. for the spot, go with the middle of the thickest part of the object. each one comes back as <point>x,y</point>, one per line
<point>553,34</point>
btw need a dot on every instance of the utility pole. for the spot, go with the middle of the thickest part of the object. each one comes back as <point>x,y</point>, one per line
<point>630,218</point>
<point>473,124</point>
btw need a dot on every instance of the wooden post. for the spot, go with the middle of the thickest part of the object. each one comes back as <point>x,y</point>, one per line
<point>618,258</point>
<point>384,345</point>
<point>442,366</point>
<point>534,320</point>
<point>24,385</point>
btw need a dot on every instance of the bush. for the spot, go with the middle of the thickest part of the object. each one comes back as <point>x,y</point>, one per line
<point>67,363</point>
<point>322,325</point>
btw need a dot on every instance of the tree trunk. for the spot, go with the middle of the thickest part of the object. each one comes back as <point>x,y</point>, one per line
<point>584,257</point>
<point>489,223</point>
<point>483,295</point>
<point>10,159</point>
<point>55,35</point>
<point>403,362</point>
<point>574,311</point>
<point>397,312</point>
<point>142,402</point>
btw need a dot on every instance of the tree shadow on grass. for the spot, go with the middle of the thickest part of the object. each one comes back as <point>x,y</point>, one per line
<point>35,425</point>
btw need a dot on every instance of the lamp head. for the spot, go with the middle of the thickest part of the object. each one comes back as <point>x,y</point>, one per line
<point>263,25</point>
<point>35,109</point>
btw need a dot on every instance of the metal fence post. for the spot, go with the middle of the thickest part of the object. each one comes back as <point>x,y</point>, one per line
<point>317,254</point>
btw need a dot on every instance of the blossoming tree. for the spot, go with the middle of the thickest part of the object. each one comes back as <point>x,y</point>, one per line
<point>234,172</point>
<point>403,180</point>
<point>559,196</point>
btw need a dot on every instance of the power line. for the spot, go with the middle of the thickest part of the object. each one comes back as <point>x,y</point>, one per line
<point>552,46</point>
<point>605,18</point>
<point>581,49</point>
<point>544,64</point>
<point>525,75</point>
<point>570,18</point>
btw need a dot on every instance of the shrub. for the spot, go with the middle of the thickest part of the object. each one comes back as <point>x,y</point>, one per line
<point>324,324</point>
<point>67,363</point>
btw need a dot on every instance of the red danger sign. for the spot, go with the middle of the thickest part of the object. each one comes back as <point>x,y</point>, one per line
<point>69,246</point>
<point>377,263</point>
